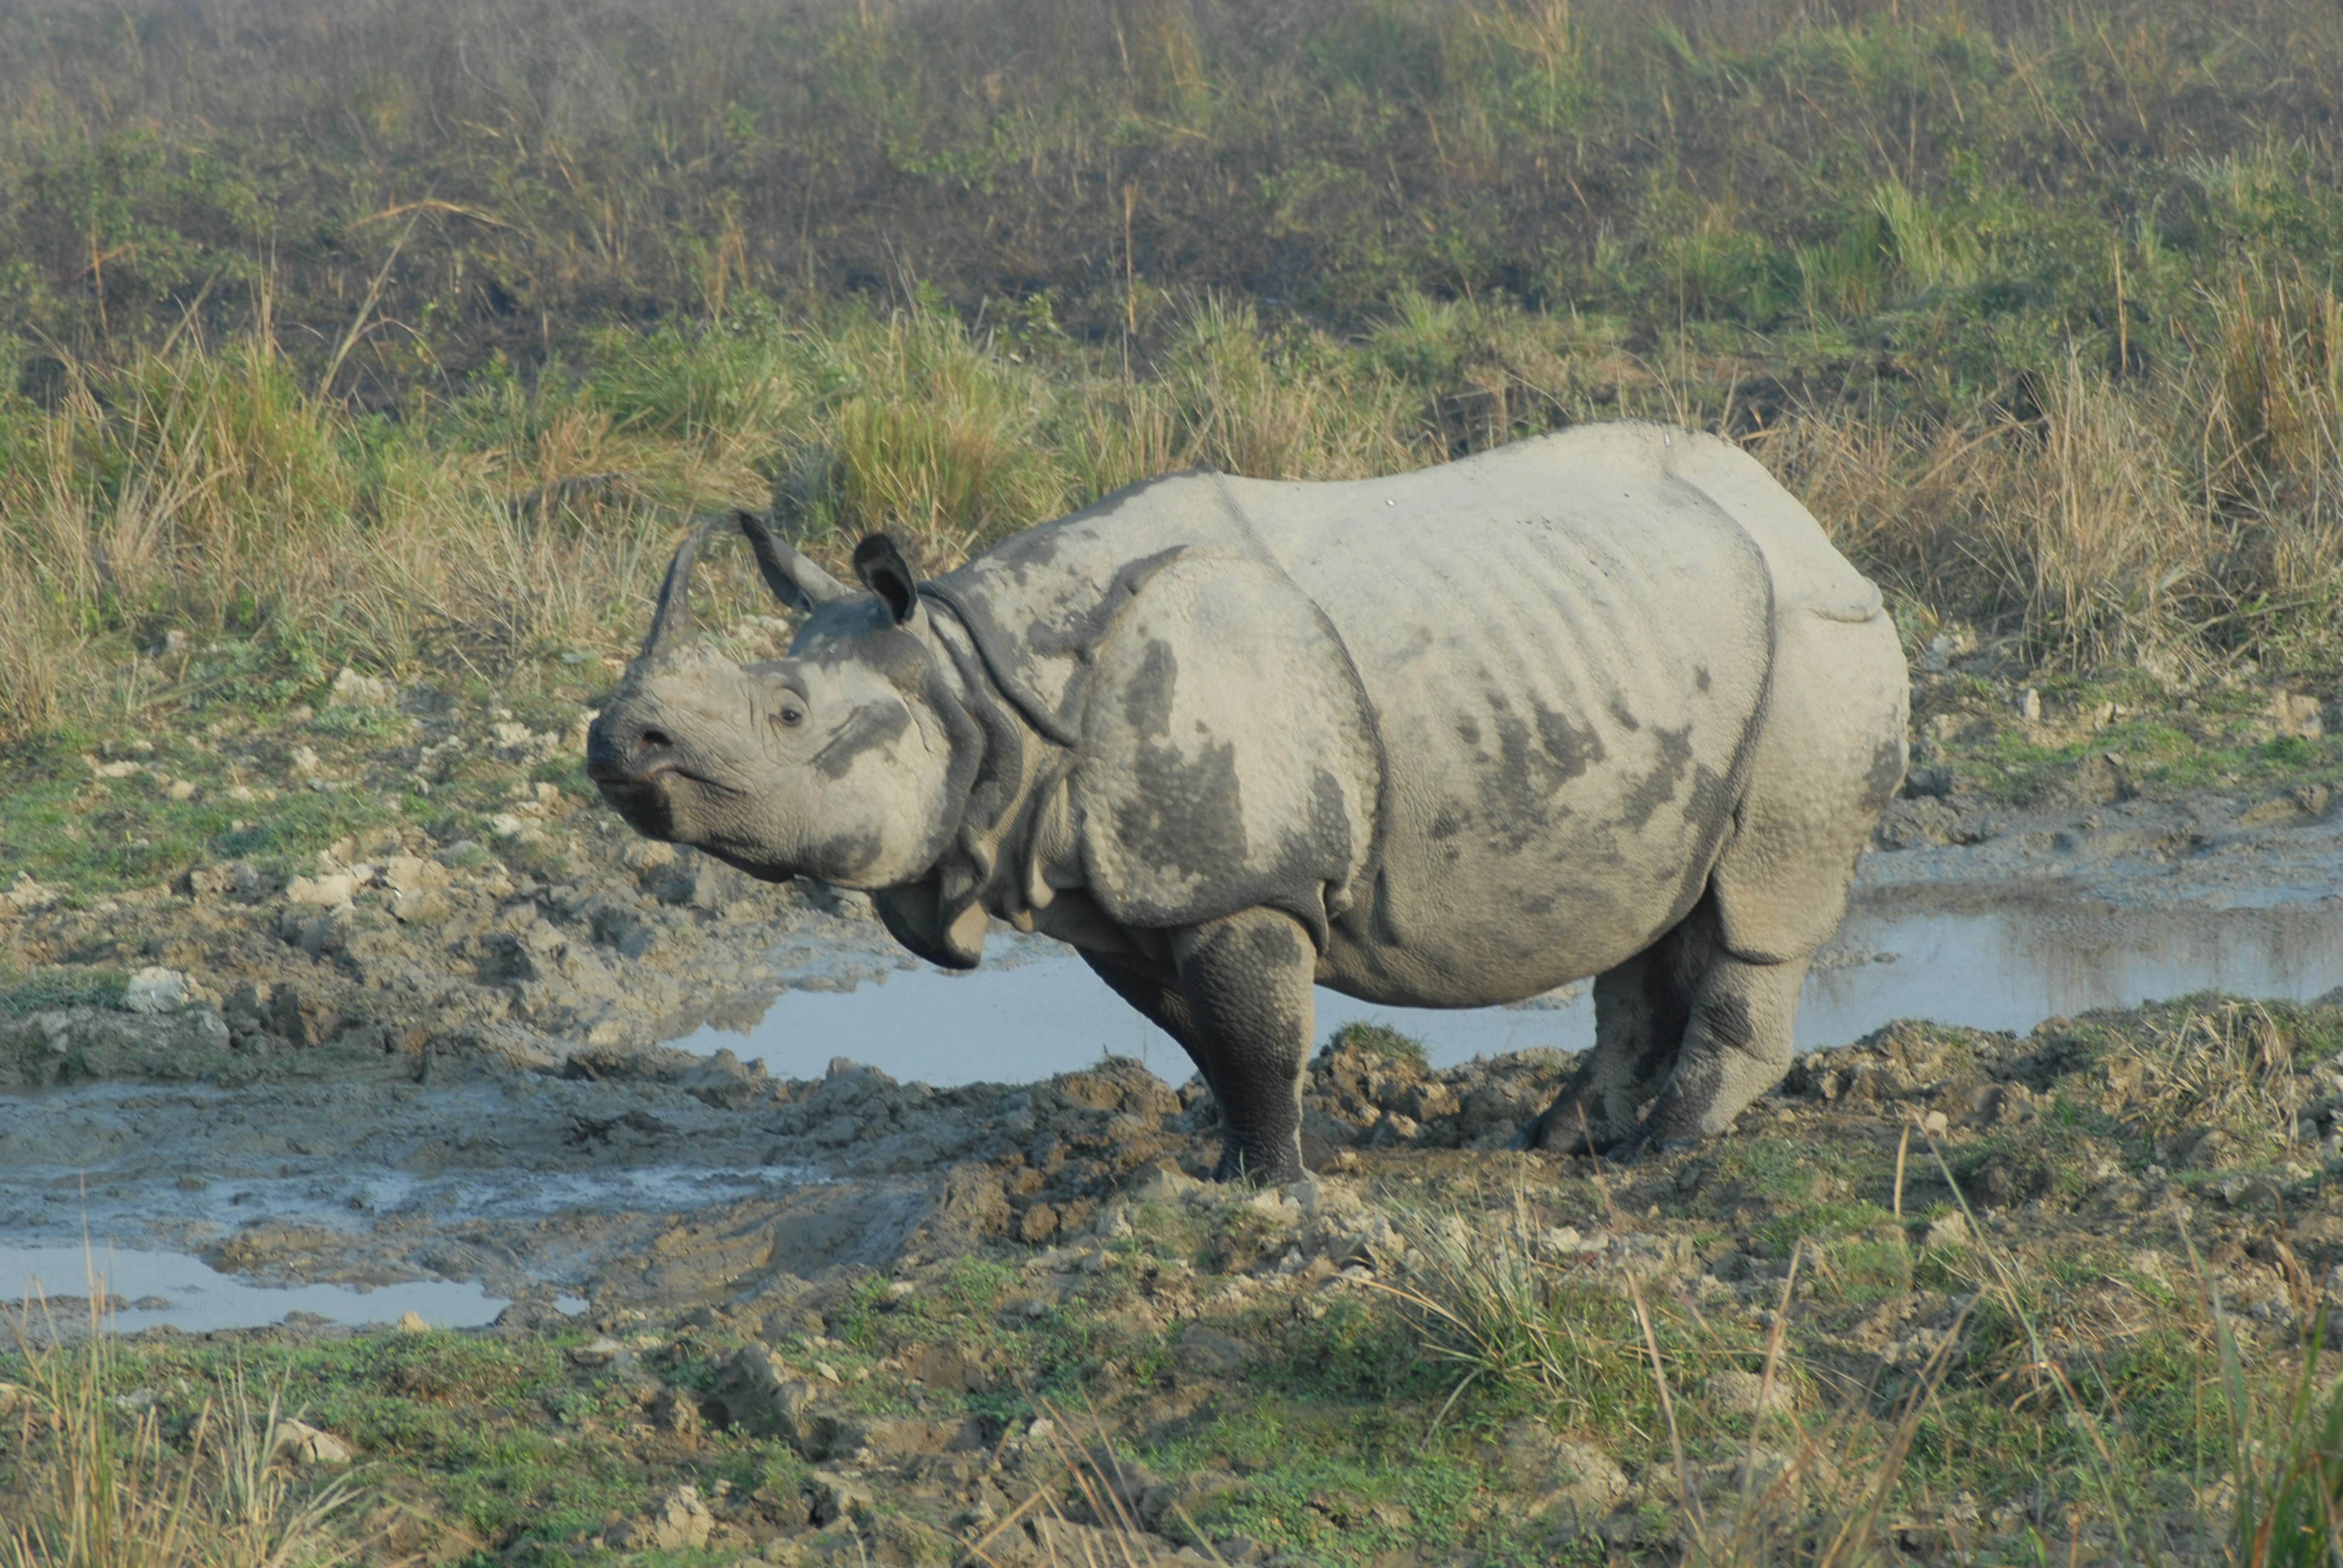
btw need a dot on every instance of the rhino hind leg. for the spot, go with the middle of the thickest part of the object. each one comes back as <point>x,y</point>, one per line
<point>1642,1009</point>
<point>1737,1046</point>
<point>1830,754</point>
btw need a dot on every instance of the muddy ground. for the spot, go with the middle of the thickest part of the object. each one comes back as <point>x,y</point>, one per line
<point>429,1048</point>
<point>417,1060</point>
<point>1062,1347</point>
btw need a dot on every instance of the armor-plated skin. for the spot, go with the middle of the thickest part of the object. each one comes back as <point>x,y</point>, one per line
<point>1600,703</point>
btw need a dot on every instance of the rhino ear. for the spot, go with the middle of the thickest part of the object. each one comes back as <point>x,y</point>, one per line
<point>885,572</point>
<point>796,581</point>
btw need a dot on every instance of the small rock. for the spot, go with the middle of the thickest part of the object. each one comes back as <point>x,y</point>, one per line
<point>154,989</point>
<point>1934,782</point>
<point>305,760</point>
<point>352,690</point>
<point>28,896</point>
<point>1935,1122</point>
<point>410,1321</point>
<point>1737,1392</point>
<point>1201,1350</point>
<point>1164,1182</point>
<point>331,892</point>
<point>597,1352</point>
<point>180,789</point>
<point>2297,715</point>
<point>836,1497</point>
<point>759,1396</point>
<point>681,1523</point>
<point>2029,706</point>
<point>675,1410</point>
<point>302,1443</point>
<point>1565,1478</point>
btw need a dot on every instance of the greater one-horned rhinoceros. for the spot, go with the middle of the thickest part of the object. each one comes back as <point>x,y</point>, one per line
<point>1600,703</point>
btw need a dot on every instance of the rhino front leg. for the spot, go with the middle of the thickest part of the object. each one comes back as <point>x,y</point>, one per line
<point>1246,983</point>
<point>1736,1047</point>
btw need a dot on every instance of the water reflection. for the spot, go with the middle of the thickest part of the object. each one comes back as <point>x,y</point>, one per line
<point>150,1289</point>
<point>1035,1010</point>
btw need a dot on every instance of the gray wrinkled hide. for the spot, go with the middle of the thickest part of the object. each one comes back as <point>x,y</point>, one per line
<point>1604,703</point>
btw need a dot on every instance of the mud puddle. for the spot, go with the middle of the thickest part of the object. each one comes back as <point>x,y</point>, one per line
<point>376,1196</point>
<point>1979,963</point>
<point>136,1290</point>
<point>632,1175</point>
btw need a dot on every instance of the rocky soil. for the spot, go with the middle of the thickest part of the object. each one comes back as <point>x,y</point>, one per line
<point>847,1318</point>
<point>1017,1325</point>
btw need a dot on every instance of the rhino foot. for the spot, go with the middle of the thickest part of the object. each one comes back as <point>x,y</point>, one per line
<point>1255,1170</point>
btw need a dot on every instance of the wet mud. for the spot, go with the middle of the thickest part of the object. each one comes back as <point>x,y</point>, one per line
<point>427,1065</point>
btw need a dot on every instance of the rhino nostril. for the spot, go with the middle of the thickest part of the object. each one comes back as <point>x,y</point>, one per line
<point>654,739</point>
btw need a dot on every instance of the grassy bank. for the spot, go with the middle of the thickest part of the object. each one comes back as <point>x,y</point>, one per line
<point>399,341</point>
<point>1971,1298</point>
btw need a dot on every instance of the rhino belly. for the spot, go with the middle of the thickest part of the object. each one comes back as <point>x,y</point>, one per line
<point>1560,712</point>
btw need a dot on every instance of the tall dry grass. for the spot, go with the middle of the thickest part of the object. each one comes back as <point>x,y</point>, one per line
<point>1843,1481</point>
<point>2177,518</point>
<point>96,1486</point>
<point>2174,519</point>
<point>1948,267</point>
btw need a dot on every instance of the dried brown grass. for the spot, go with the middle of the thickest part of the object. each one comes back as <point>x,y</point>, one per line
<point>94,1486</point>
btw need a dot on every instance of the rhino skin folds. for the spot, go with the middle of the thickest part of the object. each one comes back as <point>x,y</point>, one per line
<point>1604,703</point>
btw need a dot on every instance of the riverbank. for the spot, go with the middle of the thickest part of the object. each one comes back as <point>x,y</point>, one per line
<point>1954,1265</point>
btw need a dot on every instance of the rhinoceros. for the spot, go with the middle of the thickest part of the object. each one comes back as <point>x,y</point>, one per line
<point>1599,703</point>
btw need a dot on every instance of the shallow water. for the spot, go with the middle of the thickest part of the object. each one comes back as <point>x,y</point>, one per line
<point>160,1289</point>
<point>533,1181</point>
<point>1034,1008</point>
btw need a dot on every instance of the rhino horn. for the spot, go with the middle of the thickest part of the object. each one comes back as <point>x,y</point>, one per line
<point>671,621</point>
<point>796,581</point>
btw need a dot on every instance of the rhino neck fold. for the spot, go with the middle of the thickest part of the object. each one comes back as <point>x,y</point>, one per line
<point>1001,769</point>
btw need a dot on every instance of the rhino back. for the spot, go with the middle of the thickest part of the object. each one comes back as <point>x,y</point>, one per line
<point>1559,649</point>
<point>1565,649</point>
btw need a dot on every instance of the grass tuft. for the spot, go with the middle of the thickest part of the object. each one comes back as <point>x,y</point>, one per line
<point>98,1486</point>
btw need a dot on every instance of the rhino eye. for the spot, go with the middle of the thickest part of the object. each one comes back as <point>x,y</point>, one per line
<point>790,714</point>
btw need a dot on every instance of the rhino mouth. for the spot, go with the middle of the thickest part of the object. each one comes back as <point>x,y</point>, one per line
<point>643,802</point>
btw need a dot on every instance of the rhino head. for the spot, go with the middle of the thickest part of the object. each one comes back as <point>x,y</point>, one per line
<point>835,762</point>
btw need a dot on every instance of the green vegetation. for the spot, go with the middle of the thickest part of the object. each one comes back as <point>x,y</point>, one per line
<point>400,336</point>
<point>397,337</point>
<point>1382,1042</point>
<point>1835,1331</point>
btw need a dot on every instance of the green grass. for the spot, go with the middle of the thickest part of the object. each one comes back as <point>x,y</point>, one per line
<point>1380,1041</point>
<point>441,409</point>
<point>42,986</point>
